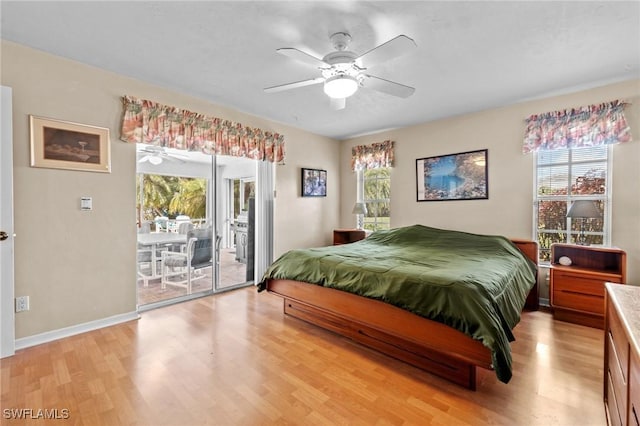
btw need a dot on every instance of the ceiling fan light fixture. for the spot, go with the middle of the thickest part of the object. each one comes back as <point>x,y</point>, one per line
<point>155,160</point>
<point>340,86</point>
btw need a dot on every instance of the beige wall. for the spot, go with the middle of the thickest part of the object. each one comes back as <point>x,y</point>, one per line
<point>508,211</point>
<point>79,267</point>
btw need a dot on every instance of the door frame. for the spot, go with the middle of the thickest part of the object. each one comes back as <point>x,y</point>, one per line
<point>7,314</point>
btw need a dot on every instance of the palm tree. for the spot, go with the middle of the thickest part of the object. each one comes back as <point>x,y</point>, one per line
<point>154,194</point>
<point>190,199</point>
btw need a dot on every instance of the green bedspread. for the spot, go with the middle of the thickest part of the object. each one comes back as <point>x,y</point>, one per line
<point>476,284</point>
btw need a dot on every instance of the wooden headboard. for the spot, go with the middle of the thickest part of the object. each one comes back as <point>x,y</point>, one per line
<point>530,249</point>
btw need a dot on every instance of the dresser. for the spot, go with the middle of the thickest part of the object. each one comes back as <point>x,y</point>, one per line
<point>621,355</point>
<point>577,290</point>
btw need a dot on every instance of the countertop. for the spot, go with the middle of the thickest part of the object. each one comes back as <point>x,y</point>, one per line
<point>626,298</point>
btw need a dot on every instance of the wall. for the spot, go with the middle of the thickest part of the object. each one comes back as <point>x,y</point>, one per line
<point>508,211</point>
<point>79,267</point>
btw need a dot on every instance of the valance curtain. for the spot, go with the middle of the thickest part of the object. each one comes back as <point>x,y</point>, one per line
<point>151,123</point>
<point>372,156</point>
<point>593,125</point>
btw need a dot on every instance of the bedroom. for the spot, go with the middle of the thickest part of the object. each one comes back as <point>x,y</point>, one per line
<point>69,290</point>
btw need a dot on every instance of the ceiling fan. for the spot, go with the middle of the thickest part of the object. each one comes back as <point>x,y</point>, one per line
<point>157,154</point>
<point>343,71</point>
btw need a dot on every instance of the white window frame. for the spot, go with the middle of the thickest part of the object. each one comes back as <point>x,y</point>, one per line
<point>570,198</point>
<point>360,196</point>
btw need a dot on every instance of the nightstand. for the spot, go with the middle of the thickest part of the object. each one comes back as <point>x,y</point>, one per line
<point>345,236</point>
<point>577,290</point>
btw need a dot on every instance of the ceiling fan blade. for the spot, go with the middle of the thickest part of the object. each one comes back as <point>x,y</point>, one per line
<point>301,56</point>
<point>337,103</point>
<point>391,49</point>
<point>387,86</point>
<point>294,85</point>
<point>176,155</point>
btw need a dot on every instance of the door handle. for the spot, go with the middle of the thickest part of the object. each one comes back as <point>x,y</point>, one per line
<point>3,235</point>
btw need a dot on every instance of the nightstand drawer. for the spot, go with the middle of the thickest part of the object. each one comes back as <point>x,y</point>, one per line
<point>578,301</point>
<point>577,282</point>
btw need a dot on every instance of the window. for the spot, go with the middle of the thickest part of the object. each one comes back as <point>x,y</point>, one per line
<point>562,177</point>
<point>372,164</point>
<point>375,187</point>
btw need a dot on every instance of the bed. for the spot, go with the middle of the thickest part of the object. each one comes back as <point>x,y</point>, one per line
<point>445,301</point>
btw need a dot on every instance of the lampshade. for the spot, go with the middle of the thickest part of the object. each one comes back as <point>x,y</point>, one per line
<point>359,208</point>
<point>340,86</point>
<point>585,209</point>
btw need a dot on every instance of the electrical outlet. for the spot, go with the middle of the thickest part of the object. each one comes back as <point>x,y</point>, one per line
<point>22,303</point>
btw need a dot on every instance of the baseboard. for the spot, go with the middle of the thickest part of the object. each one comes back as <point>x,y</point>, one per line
<point>49,336</point>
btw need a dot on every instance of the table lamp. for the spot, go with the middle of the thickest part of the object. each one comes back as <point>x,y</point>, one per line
<point>583,209</point>
<point>360,209</point>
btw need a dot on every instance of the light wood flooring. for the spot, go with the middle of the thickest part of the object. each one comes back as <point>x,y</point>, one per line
<point>235,359</point>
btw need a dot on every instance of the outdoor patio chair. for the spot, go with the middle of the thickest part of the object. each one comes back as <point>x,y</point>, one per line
<point>181,269</point>
<point>145,227</point>
<point>144,260</point>
<point>162,223</point>
<point>183,229</point>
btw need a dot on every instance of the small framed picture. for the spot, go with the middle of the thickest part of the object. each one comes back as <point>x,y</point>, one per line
<point>57,144</point>
<point>314,183</point>
<point>461,176</point>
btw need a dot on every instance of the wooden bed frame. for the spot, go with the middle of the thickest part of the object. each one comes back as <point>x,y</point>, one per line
<point>429,345</point>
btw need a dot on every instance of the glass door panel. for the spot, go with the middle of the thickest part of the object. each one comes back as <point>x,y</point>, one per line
<point>236,221</point>
<point>176,242</point>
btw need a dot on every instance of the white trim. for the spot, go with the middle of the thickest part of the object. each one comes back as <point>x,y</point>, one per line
<point>265,201</point>
<point>608,202</point>
<point>359,196</point>
<point>50,336</point>
<point>7,314</point>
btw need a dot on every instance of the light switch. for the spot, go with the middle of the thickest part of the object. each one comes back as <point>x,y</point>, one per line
<point>86,203</point>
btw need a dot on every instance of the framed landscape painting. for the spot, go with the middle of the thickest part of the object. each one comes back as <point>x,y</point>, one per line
<point>461,176</point>
<point>60,144</point>
<point>314,183</point>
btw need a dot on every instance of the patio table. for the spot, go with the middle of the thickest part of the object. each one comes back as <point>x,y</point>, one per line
<point>155,239</point>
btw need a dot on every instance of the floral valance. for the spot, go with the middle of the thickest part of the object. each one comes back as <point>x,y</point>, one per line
<point>593,125</point>
<point>372,156</point>
<point>155,124</point>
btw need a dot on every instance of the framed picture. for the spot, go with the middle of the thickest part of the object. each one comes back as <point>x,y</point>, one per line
<point>59,144</point>
<point>314,183</point>
<point>461,176</point>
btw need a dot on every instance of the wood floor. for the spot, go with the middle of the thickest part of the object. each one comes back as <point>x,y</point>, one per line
<point>234,359</point>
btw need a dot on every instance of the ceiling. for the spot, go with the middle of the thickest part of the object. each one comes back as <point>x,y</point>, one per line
<point>470,56</point>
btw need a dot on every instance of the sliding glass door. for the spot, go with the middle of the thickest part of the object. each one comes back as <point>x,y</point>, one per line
<point>196,224</point>
<point>175,216</point>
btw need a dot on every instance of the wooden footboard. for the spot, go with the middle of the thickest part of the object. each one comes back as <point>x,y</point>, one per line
<point>429,345</point>
<point>426,344</point>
